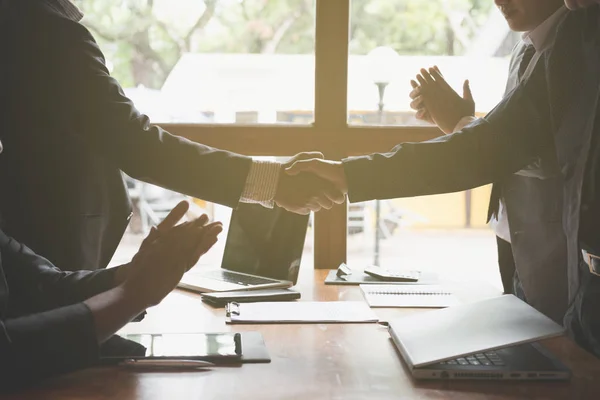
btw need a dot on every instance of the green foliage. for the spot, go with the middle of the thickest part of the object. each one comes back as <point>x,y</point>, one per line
<point>412,26</point>
<point>143,39</point>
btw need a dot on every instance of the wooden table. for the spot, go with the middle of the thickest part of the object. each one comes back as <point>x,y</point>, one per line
<point>313,361</point>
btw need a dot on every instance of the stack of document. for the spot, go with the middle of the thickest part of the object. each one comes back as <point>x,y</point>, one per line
<point>432,296</point>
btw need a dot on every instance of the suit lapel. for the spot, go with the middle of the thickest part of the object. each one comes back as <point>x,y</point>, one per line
<point>3,286</point>
<point>512,81</point>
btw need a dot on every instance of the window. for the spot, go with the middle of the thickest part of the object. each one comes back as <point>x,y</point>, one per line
<point>278,77</point>
<point>212,61</point>
<point>391,40</point>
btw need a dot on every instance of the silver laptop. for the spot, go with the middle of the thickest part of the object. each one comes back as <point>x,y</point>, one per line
<point>491,339</point>
<point>263,251</point>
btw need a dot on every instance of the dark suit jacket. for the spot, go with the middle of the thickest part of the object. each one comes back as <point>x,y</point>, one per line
<point>550,115</point>
<point>533,201</point>
<point>45,328</point>
<point>68,132</point>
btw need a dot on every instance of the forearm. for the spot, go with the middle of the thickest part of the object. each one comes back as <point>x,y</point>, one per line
<point>37,285</point>
<point>63,339</point>
<point>447,164</point>
<point>48,343</point>
<point>112,310</point>
<point>94,111</point>
<point>121,273</point>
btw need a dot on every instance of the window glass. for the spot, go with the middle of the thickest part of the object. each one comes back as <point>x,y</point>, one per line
<point>211,61</point>
<point>391,40</point>
<point>446,235</point>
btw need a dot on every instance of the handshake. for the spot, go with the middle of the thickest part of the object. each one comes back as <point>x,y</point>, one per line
<point>308,183</point>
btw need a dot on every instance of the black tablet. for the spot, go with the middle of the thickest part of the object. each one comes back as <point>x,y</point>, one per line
<point>189,346</point>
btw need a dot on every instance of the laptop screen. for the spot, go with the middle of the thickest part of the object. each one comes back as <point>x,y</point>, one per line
<point>265,242</point>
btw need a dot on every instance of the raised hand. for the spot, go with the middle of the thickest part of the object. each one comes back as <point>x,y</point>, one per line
<point>152,275</point>
<point>303,193</point>
<point>157,269</point>
<point>168,223</point>
<point>439,102</point>
<point>417,103</point>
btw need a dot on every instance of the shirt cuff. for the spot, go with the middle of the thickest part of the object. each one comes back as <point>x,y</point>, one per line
<point>261,183</point>
<point>464,121</point>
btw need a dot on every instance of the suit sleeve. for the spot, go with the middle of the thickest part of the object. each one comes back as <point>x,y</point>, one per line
<point>514,134</point>
<point>47,343</point>
<point>95,112</point>
<point>36,285</point>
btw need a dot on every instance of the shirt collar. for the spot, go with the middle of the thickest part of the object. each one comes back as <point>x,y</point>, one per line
<point>66,9</point>
<point>543,35</point>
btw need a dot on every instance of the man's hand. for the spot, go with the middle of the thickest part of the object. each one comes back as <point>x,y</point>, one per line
<point>303,193</point>
<point>164,226</point>
<point>330,171</point>
<point>435,99</point>
<point>417,104</point>
<point>152,275</point>
<point>156,271</point>
<point>575,4</point>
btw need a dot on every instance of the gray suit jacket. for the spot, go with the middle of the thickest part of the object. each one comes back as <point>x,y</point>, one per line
<point>533,200</point>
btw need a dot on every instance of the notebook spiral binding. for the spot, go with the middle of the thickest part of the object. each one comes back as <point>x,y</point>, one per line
<point>403,292</point>
<point>232,308</point>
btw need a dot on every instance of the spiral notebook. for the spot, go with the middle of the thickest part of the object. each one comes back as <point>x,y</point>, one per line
<point>411,296</point>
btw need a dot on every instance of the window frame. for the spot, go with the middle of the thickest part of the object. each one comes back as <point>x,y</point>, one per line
<point>330,132</point>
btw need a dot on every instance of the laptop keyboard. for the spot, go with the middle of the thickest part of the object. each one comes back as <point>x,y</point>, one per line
<point>489,358</point>
<point>233,277</point>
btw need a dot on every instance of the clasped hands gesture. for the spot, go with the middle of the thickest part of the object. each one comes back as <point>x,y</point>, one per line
<point>436,102</point>
<point>165,255</point>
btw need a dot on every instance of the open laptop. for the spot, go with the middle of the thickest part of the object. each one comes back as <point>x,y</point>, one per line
<point>263,251</point>
<point>491,339</point>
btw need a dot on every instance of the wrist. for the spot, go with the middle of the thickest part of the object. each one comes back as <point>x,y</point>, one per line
<point>261,183</point>
<point>111,310</point>
<point>121,274</point>
<point>133,296</point>
<point>342,182</point>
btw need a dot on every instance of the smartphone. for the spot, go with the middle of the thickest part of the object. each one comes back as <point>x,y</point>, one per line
<point>220,299</point>
<point>391,275</point>
<point>190,346</point>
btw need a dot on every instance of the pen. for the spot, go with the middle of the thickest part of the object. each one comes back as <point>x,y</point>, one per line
<point>157,363</point>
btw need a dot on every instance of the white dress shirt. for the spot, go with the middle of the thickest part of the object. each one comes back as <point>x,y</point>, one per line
<point>261,183</point>
<point>542,38</point>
